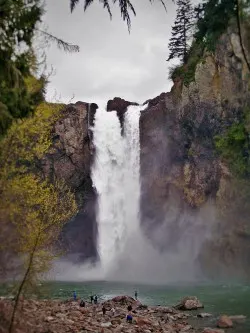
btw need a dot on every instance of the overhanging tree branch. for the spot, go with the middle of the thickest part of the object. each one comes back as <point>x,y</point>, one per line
<point>126,7</point>
<point>240,33</point>
<point>67,47</point>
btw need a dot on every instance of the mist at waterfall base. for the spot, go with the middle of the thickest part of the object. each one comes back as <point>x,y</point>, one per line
<point>125,252</point>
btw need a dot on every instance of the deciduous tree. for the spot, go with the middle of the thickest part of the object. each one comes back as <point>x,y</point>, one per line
<point>32,210</point>
<point>38,210</point>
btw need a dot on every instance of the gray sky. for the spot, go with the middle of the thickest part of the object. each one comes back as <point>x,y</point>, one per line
<point>111,62</point>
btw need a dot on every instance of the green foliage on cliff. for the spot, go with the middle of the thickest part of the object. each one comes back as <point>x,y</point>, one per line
<point>214,21</point>
<point>28,140</point>
<point>213,18</point>
<point>234,146</point>
<point>186,72</point>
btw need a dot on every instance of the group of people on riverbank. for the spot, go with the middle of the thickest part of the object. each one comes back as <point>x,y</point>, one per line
<point>94,299</point>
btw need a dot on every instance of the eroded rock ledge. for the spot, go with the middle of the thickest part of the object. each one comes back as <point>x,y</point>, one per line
<point>120,106</point>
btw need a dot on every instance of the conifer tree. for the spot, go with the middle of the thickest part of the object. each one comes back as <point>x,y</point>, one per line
<point>181,31</point>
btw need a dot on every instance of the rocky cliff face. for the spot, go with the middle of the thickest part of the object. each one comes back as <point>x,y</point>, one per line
<point>181,169</point>
<point>70,159</point>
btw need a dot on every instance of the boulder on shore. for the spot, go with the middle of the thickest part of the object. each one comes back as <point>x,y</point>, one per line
<point>125,300</point>
<point>189,303</point>
<point>224,322</point>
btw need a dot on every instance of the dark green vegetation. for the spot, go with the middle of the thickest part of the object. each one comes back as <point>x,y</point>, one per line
<point>17,25</point>
<point>234,146</point>
<point>212,18</point>
<point>181,31</point>
<point>21,88</point>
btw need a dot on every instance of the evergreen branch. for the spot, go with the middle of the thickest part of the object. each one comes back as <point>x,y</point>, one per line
<point>163,4</point>
<point>73,3</point>
<point>87,3</point>
<point>125,7</point>
<point>106,5</point>
<point>67,47</point>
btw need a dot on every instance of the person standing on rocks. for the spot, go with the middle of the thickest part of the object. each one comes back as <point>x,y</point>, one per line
<point>129,317</point>
<point>91,299</point>
<point>95,299</point>
<point>136,294</point>
<point>74,295</point>
<point>82,304</point>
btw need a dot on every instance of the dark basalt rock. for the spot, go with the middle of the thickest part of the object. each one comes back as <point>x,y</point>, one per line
<point>120,106</point>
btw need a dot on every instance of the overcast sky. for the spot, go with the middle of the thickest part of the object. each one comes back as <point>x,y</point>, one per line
<point>111,62</point>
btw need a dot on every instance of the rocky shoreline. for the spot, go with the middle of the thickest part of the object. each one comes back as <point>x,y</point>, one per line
<point>57,316</point>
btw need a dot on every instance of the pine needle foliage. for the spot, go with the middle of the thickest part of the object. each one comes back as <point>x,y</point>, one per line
<point>126,7</point>
<point>181,31</point>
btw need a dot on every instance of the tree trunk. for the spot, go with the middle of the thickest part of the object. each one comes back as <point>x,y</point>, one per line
<point>240,33</point>
<point>21,287</point>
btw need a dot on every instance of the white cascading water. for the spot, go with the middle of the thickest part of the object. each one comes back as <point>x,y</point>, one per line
<point>116,177</point>
<point>125,253</point>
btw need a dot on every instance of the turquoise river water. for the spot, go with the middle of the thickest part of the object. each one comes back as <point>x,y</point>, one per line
<point>217,299</point>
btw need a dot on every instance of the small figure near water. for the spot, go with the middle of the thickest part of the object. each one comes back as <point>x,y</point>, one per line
<point>129,317</point>
<point>136,294</point>
<point>91,299</point>
<point>95,299</point>
<point>82,304</point>
<point>74,295</point>
<point>104,310</point>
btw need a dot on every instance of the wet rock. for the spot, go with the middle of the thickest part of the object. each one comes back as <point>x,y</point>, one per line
<point>140,321</point>
<point>186,328</point>
<point>189,303</point>
<point>165,309</point>
<point>212,330</point>
<point>182,327</point>
<point>238,318</point>
<point>142,307</point>
<point>225,322</point>
<point>204,315</point>
<point>116,321</point>
<point>120,106</point>
<point>109,324</point>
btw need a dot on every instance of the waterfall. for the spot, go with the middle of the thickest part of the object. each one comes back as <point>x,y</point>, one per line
<point>116,178</point>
